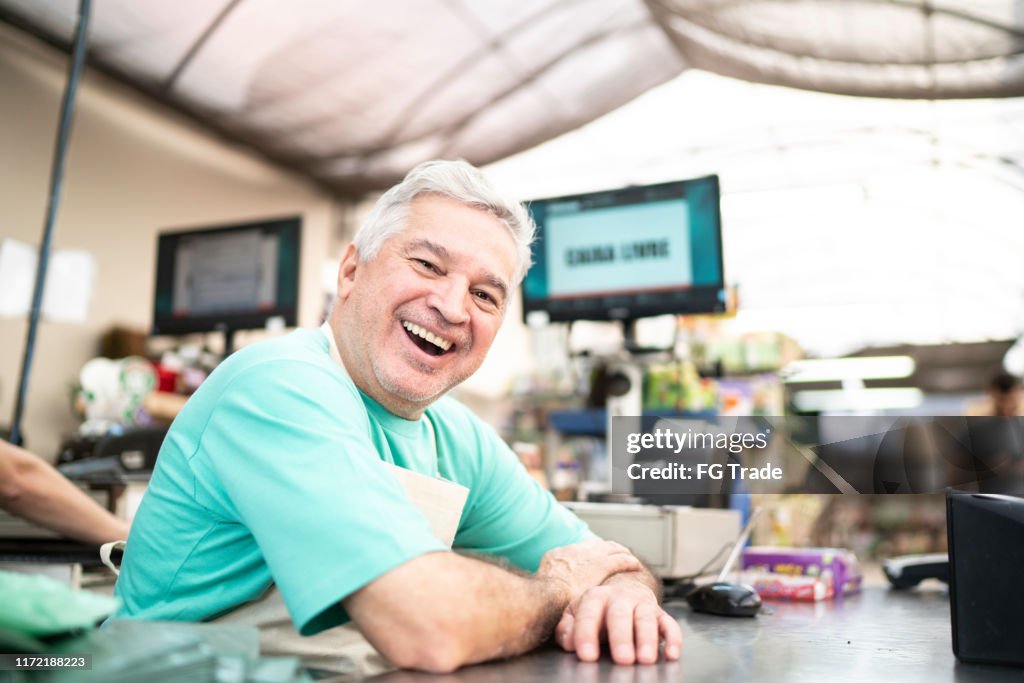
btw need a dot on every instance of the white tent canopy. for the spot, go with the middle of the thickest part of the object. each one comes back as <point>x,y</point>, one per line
<point>848,221</point>
<point>352,93</point>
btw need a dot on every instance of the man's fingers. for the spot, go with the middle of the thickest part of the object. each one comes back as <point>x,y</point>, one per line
<point>588,622</point>
<point>671,634</point>
<point>646,629</point>
<point>620,631</point>
<point>564,631</point>
<point>634,629</point>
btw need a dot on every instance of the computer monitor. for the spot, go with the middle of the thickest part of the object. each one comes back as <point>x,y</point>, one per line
<point>628,253</point>
<point>227,278</point>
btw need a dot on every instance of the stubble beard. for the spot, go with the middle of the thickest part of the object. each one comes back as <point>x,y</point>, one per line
<point>393,384</point>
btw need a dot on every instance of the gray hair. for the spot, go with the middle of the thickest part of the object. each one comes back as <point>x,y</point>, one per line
<point>457,180</point>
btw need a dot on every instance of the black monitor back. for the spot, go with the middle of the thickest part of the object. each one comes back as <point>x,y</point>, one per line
<point>986,554</point>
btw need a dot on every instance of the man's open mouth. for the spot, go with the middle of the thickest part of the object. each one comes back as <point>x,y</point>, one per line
<point>428,341</point>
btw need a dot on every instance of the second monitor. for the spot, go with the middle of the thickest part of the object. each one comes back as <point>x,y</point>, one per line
<point>628,253</point>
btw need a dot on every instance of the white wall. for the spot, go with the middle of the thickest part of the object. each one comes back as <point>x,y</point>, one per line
<point>134,168</point>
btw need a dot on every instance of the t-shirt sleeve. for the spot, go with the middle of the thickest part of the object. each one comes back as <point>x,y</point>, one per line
<point>290,450</point>
<point>509,514</point>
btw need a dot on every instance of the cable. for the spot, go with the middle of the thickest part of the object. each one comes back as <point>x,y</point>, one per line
<point>56,181</point>
<point>684,585</point>
<point>705,569</point>
<point>677,589</point>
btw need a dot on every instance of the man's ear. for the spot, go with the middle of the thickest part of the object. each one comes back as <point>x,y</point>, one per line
<point>347,272</point>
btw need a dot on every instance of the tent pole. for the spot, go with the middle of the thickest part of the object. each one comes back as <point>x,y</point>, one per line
<point>67,111</point>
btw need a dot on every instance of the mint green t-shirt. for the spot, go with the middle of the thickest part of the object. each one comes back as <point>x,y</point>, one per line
<point>274,471</point>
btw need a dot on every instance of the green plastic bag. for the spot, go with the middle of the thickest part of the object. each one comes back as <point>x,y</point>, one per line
<point>37,606</point>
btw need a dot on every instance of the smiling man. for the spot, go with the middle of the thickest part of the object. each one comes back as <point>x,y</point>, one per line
<point>418,313</point>
<point>324,463</point>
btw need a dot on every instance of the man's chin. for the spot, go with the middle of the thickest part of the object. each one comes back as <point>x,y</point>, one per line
<point>420,394</point>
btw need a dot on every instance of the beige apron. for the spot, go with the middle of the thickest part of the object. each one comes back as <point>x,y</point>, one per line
<point>342,649</point>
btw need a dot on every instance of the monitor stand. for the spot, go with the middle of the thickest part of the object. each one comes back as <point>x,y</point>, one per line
<point>629,339</point>
<point>229,338</point>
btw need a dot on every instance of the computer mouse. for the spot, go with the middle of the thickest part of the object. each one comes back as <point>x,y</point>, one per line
<point>725,599</point>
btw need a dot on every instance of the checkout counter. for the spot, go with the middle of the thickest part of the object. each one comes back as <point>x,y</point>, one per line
<point>876,635</point>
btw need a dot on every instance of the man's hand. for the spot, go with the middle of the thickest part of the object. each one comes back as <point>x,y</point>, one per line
<point>628,611</point>
<point>585,565</point>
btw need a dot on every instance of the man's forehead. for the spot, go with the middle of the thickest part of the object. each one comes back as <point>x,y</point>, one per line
<point>466,235</point>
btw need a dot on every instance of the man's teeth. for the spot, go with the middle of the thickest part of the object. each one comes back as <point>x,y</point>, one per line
<point>443,344</point>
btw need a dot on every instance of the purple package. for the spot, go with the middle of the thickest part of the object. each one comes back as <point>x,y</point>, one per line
<point>836,564</point>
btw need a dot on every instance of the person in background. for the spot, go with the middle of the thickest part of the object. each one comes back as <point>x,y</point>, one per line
<point>32,489</point>
<point>1005,437</point>
<point>1005,393</point>
<point>995,436</point>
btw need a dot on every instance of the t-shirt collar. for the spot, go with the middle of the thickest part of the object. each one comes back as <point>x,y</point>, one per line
<point>384,416</point>
<point>332,344</point>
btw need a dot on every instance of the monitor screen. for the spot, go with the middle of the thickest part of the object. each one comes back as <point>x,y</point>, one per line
<point>232,277</point>
<point>629,253</point>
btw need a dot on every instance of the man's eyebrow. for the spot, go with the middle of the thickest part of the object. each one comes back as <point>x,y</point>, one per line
<point>438,250</point>
<point>442,253</point>
<point>496,282</point>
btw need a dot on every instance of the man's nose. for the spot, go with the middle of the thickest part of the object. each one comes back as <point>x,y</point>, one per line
<point>451,298</point>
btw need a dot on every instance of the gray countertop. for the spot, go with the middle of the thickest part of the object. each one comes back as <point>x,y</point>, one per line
<point>877,635</point>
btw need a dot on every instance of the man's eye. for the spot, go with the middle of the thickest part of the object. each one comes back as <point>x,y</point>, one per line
<point>426,264</point>
<point>484,296</point>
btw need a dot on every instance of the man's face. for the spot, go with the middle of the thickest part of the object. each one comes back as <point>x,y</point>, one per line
<point>419,318</point>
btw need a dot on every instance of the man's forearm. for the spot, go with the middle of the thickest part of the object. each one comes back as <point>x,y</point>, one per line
<point>34,490</point>
<point>441,610</point>
<point>505,612</point>
<point>469,611</point>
